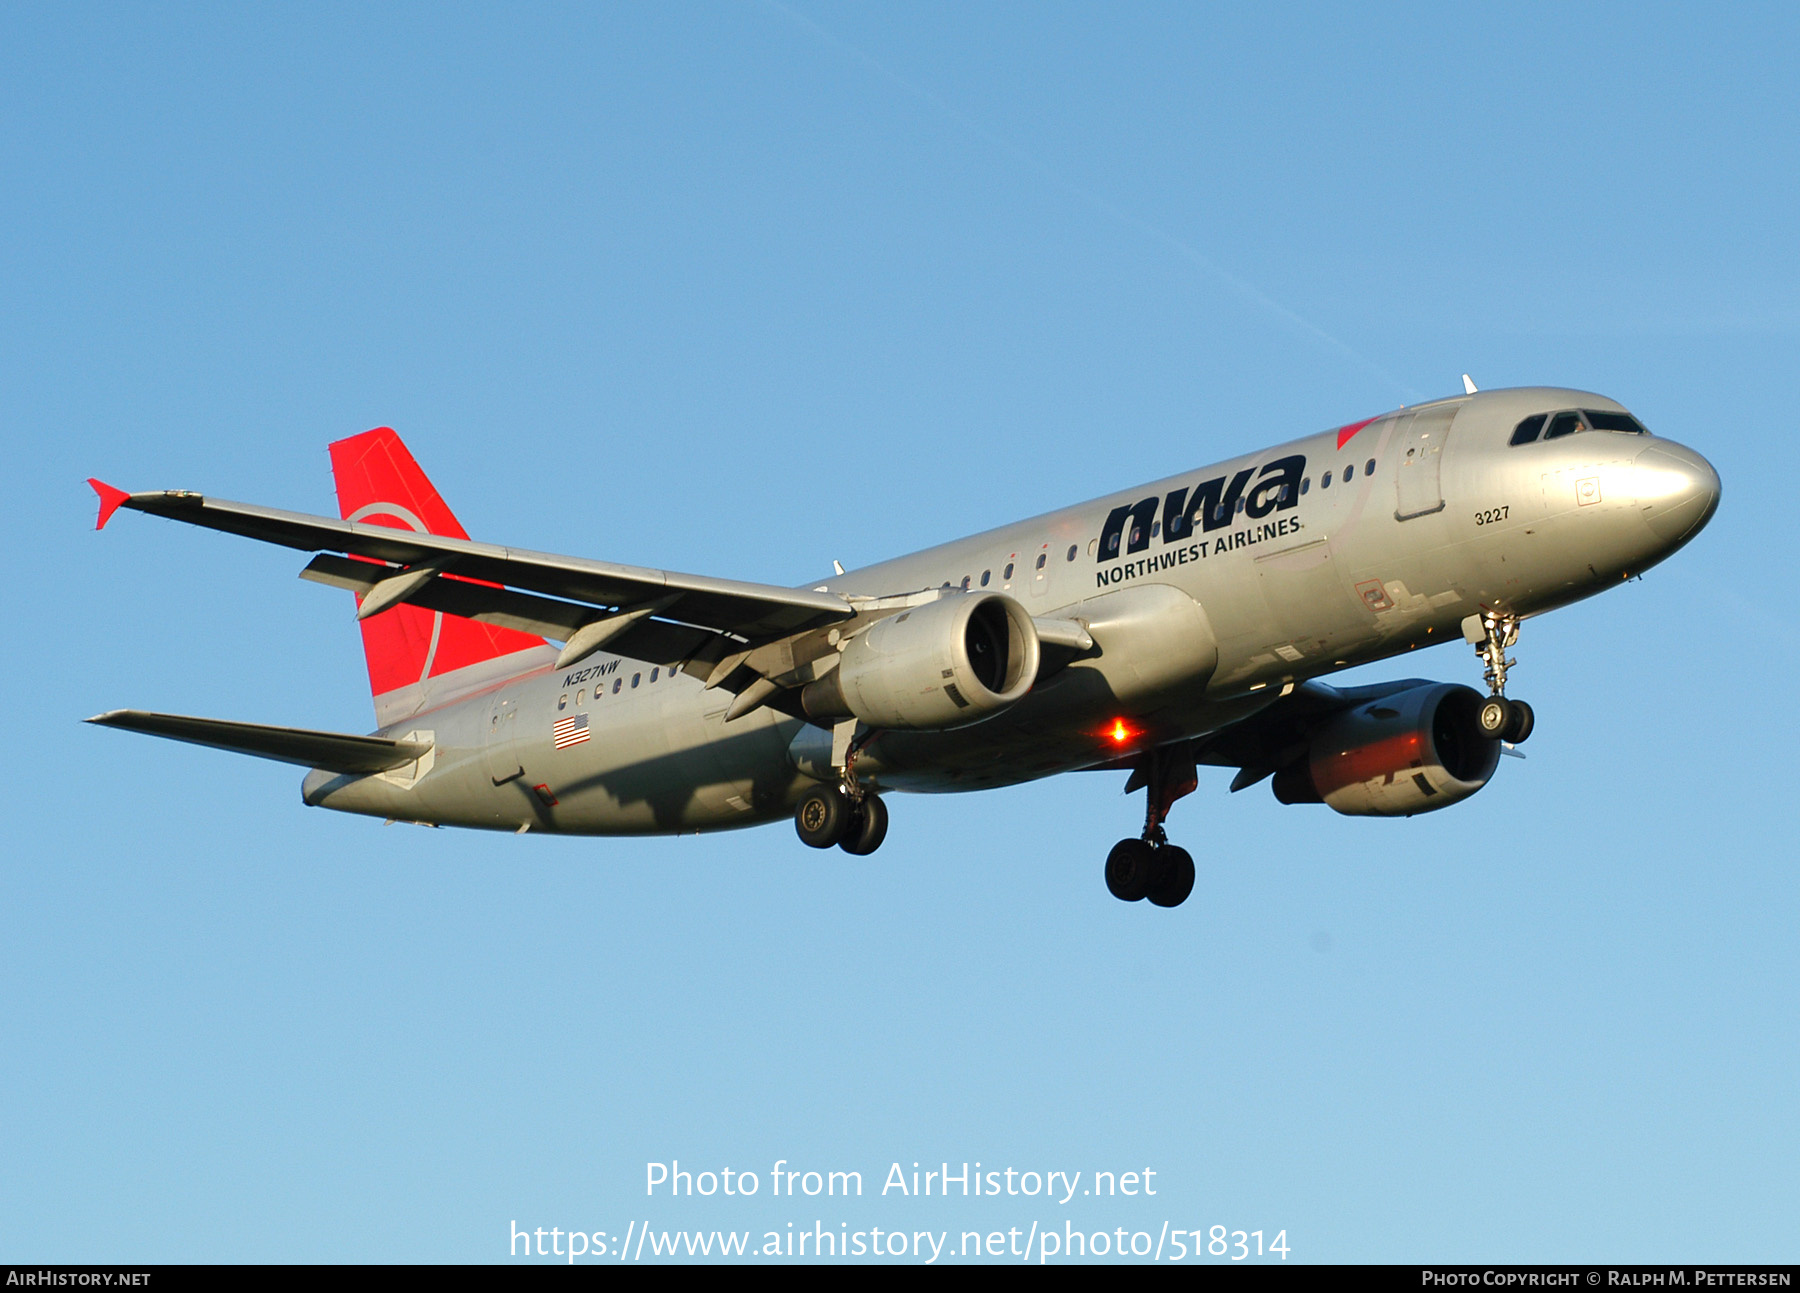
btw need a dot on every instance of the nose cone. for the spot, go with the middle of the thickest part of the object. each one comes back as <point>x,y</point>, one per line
<point>1677,489</point>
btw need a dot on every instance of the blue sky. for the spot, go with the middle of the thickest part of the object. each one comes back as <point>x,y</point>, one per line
<point>741,288</point>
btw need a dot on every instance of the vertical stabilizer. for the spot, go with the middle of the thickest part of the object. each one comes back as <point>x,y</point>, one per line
<point>412,652</point>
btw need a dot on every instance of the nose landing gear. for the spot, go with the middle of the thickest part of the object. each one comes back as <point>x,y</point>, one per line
<point>1491,633</point>
<point>1149,866</point>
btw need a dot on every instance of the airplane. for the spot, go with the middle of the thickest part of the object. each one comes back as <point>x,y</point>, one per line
<point>1153,631</point>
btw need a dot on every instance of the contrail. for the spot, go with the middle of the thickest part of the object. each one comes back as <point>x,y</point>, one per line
<point>1192,255</point>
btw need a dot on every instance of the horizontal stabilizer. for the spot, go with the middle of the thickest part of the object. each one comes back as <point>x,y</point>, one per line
<point>333,751</point>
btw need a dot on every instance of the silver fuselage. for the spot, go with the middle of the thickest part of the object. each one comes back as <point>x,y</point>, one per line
<point>1194,630</point>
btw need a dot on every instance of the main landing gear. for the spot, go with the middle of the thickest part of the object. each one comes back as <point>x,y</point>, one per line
<point>827,815</point>
<point>1153,869</point>
<point>847,814</point>
<point>1149,866</point>
<point>1499,718</point>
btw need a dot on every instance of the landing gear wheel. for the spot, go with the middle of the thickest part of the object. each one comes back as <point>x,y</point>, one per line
<point>868,827</point>
<point>1130,870</point>
<point>1494,717</point>
<point>1519,726</point>
<point>823,816</point>
<point>1175,876</point>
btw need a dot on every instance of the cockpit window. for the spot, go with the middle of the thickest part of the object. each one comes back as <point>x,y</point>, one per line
<point>1603,421</point>
<point>1569,421</point>
<point>1563,424</point>
<point>1527,431</point>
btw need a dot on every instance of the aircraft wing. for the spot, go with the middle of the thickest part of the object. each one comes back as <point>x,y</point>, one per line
<point>1272,737</point>
<point>334,751</point>
<point>1279,734</point>
<point>556,595</point>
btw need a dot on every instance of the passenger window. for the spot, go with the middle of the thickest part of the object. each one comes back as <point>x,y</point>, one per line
<point>617,683</point>
<point>965,583</point>
<point>1007,573</point>
<point>1155,528</point>
<point>1071,552</point>
<point>653,674</point>
<point>1527,431</point>
<point>985,576</point>
<point>1349,472</point>
<point>1305,483</point>
<point>1603,421</point>
<point>634,678</point>
<point>580,697</point>
<point>1325,481</point>
<point>1042,558</point>
<point>1563,424</point>
<point>1240,503</point>
<point>562,701</point>
<point>1369,467</point>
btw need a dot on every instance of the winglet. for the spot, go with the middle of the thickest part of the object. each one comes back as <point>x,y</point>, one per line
<point>110,499</point>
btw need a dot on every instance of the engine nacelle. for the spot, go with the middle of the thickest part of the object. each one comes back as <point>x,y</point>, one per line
<point>1412,752</point>
<point>945,664</point>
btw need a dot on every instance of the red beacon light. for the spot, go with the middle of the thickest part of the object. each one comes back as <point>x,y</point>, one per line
<point>1120,732</point>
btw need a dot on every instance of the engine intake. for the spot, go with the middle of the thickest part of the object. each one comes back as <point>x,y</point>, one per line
<point>1412,752</point>
<point>942,665</point>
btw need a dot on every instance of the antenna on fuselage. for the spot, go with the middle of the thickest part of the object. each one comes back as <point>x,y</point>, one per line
<point>1468,384</point>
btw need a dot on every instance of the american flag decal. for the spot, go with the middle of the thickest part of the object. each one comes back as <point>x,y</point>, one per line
<point>565,732</point>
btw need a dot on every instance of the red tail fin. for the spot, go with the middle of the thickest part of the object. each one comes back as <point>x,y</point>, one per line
<point>378,482</point>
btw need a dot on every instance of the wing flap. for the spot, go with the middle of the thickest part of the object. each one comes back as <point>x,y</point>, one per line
<point>649,640</point>
<point>333,751</point>
<point>754,612</point>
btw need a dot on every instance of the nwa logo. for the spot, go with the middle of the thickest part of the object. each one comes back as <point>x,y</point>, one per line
<point>1215,503</point>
